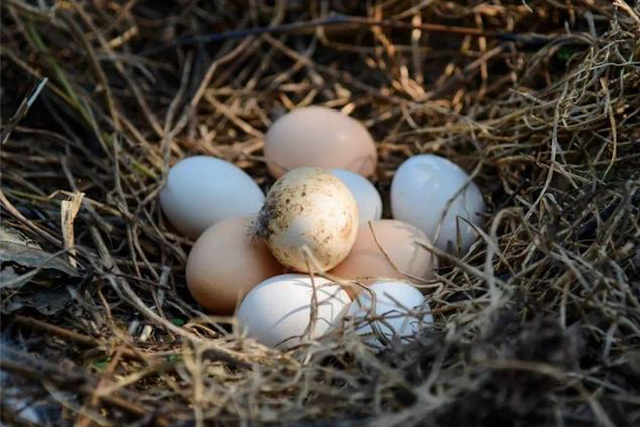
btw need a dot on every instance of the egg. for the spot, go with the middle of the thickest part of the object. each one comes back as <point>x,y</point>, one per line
<point>321,137</point>
<point>396,310</point>
<point>284,310</point>
<point>367,197</point>
<point>398,241</point>
<point>309,220</point>
<point>420,191</point>
<point>202,190</point>
<point>225,263</point>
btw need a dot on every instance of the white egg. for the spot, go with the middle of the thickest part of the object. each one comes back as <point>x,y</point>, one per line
<point>278,311</point>
<point>202,190</point>
<point>422,188</point>
<point>367,197</point>
<point>397,311</point>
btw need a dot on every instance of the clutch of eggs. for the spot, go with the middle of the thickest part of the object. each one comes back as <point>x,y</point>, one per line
<point>322,213</point>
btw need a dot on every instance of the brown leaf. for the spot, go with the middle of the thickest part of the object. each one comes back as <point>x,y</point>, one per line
<point>68,211</point>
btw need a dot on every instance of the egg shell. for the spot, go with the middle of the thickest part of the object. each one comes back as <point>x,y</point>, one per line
<point>203,190</point>
<point>278,311</point>
<point>366,195</point>
<point>400,242</point>
<point>225,263</point>
<point>309,208</point>
<point>321,137</point>
<point>420,191</point>
<point>403,308</point>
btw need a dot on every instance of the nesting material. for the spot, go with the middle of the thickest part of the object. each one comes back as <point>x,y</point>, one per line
<point>537,324</point>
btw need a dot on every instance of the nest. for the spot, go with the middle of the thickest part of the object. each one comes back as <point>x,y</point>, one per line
<point>539,101</point>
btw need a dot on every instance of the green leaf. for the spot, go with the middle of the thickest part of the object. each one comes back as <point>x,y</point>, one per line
<point>101,364</point>
<point>565,53</point>
<point>178,322</point>
<point>174,358</point>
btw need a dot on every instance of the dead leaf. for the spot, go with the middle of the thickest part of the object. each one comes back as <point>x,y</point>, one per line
<point>10,279</point>
<point>46,301</point>
<point>16,248</point>
<point>7,274</point>
<point>68,211</point>
<point>14,236</point>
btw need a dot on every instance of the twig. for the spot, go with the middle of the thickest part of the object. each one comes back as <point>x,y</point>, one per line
<point>67,334</point>
<point>22,110</point>
<point>337,20</point>
<point>624,6</point>
<point>56,330</point>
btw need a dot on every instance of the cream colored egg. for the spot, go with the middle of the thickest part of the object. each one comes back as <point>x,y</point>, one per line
<point>392,250</point>
<point>225,263</point>
<point>309,220</point>
<point>320,137</point>
<point>203,190</point>
<point>287,309</point>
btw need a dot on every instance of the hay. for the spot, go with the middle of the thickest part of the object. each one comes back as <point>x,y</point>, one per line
<point>539,324</point>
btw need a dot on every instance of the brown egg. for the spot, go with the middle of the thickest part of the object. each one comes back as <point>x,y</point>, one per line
<point>320,137</point>
<point>225,263</point>
<point>399,241</point>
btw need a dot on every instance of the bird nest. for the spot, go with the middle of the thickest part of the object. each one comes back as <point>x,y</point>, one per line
<point>538,324</point>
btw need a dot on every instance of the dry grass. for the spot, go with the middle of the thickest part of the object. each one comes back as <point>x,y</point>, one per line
<point>538,325</point>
